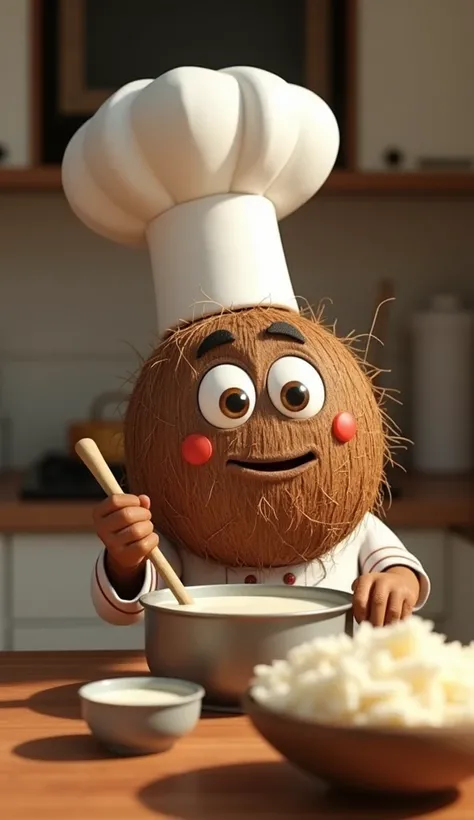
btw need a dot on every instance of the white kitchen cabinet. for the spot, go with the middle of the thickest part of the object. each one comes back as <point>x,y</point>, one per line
<point>46,638</point>
<point>15,56</point>
<point>430,547</point>
<point>414,75</point>
<point>51,575</point>
<point>50,595</point>
<point>4,595</point>
<point>459,625</point>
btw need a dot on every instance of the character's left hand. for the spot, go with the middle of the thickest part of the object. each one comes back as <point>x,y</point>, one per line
<point>385,597</point>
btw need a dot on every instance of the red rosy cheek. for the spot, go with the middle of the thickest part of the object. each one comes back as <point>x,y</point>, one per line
<point>196,449</point>
<point>344,427</point>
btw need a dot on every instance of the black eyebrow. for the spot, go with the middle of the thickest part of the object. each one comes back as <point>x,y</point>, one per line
<point>285,329</point>
<point>215,339</point>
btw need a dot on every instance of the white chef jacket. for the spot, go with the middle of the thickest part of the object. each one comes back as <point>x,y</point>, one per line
<point>372,547</point>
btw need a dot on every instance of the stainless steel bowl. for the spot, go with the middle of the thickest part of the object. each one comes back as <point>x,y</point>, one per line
<point>219,652</point>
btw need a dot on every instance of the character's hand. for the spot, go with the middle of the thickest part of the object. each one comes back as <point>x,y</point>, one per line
<point>124,525</point>
<point>385,597</point>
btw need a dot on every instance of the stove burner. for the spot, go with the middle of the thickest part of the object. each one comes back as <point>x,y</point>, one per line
<point>63,478</point>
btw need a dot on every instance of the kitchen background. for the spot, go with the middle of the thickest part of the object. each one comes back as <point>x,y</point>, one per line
<point>76,309</point>
<point>76,312</point>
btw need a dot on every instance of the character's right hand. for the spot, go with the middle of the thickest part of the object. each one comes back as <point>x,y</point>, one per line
<point>124,525</point>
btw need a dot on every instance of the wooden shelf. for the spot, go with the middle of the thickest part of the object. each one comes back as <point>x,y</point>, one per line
<point>46,178</point>
<point>393,184</point>
<point>339,183</point>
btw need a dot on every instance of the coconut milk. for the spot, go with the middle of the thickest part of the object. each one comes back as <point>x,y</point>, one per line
<point>249,605</point>
<point>137,697</point>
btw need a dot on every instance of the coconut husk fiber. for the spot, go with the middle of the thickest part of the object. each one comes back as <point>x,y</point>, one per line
<point>224,513</point>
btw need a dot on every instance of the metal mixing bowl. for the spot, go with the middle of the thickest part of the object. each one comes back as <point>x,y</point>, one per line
<point>219,652</point>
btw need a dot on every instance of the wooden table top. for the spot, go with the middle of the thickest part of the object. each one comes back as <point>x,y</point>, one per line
<point>51,768</point>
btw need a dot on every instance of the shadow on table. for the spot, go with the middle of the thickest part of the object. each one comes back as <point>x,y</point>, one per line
<point>56,701</point>
<point>63,702</point>
<point>244,789</point>
<point>62,749</point>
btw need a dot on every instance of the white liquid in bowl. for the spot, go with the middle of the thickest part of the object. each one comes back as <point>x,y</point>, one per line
<point>249,605</point>
<point>137,697</point>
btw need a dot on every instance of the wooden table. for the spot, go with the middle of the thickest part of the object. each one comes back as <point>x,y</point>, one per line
<point>51,769</point>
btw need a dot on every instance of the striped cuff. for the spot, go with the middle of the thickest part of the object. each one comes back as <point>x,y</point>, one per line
<point>384,558</point>
<point>109,595</point>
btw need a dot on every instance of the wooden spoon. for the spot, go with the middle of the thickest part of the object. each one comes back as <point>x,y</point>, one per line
<point>90,454</point>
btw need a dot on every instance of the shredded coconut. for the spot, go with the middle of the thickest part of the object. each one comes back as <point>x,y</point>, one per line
<point>404,674</point>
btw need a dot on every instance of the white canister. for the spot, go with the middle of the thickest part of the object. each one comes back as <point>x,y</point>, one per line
<point>443,387</point>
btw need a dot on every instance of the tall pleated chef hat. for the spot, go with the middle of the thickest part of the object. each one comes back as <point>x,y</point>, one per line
<point>200,165</point>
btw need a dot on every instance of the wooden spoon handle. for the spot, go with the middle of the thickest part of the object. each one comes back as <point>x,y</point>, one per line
<point>90,454</point>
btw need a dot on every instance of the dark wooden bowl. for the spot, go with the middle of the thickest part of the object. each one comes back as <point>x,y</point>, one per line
<point>375,759</point>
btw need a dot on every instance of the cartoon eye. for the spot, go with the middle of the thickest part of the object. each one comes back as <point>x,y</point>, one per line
<point>296,388</point>
<point>226,396</point>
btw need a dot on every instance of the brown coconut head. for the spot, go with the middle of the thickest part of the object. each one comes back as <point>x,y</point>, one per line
<point>278,514</point>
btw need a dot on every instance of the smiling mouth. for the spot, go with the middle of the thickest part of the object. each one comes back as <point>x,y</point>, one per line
<point>285,466</point>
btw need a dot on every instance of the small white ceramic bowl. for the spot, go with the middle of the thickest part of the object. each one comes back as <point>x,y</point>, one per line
<point>161,711</point>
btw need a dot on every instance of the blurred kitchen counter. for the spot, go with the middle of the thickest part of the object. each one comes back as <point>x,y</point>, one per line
<point>18,516</point>
<point>424,503</point>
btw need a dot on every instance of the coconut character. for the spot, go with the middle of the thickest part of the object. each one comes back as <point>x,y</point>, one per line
<point>255,444</point>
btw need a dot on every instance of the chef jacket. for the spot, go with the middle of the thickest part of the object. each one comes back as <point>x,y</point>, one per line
<point>372,547</point>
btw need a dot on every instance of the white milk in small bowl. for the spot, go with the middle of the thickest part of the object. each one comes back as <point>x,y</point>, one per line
<point>229,629</point>
<point>140,715</point>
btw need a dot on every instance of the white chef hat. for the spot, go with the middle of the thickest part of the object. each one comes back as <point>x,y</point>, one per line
<point>200,165</point>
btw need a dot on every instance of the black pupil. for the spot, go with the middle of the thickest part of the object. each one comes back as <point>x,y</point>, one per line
<point>296,395</point>
<point>236,402</point>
